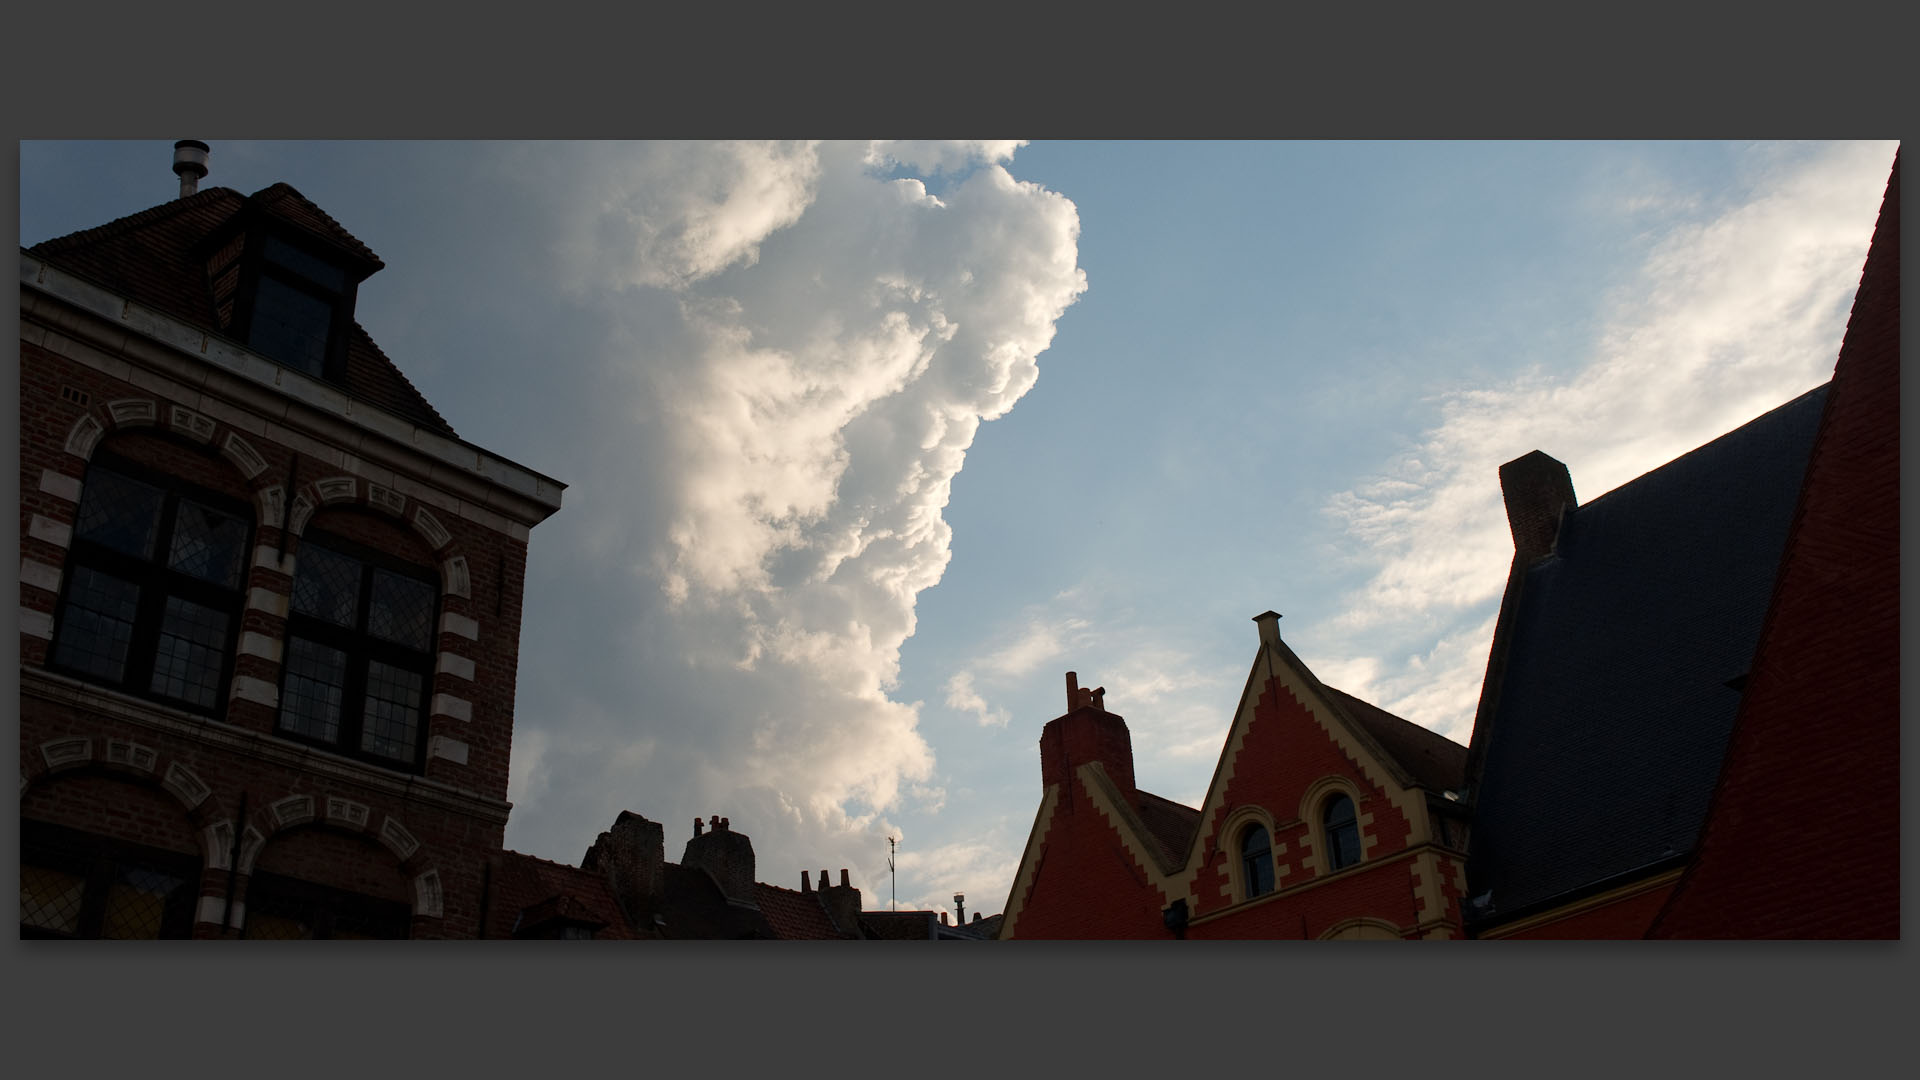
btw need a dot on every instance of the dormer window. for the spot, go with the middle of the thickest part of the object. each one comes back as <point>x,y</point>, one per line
<point>300,301</point>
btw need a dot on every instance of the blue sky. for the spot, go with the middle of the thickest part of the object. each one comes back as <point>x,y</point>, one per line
<point>868,445</point>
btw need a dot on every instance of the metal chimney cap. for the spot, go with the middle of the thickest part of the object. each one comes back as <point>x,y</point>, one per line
<point>190,156</point>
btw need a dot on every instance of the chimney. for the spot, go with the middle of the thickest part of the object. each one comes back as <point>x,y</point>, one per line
<point>727,856</point>
<point>1087,732</point>
<point>1269,624</point>
<point>842,904</point>
<point>631,856</point>
<point>805,885</point>
<point>1538,490</point>
<point>189,164</point>
<point>960,908</point>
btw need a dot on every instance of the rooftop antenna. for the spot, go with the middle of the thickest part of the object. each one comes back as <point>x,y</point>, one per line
<point>894,904</point>
<point>189,164</point>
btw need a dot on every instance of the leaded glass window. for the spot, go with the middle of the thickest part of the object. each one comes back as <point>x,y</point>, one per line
<point>283,908</point>
<point>151,596</point>
<point>77,885</point>
<point>299,305</point>
<point>360,650</point>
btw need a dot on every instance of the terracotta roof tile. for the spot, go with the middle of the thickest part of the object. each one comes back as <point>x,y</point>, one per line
<point>794,916</point>
<point>527,890</point>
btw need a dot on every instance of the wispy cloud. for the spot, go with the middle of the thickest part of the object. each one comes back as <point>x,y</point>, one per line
<point>1728,317</point>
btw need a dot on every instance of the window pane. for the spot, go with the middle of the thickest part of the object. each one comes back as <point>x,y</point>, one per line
<point>193,643</point>
<point>316,682</point>
<point>312,267</point>
<point>97,624</point>
<point>326,585</point>
<point>291,325</point>
<point>401,610</point>
<point>137,903</point>
<point>208,544</point>
<point>391,724</point>
<point>119,512</point>
<point>50,900</point>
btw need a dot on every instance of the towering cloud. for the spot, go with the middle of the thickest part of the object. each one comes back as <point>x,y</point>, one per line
<point>786,352</point>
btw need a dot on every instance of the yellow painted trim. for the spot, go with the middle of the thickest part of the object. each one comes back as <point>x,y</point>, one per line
<point>1105,795</point>
<point>1235,887</point>
<point>1362,923</point>
<point>1029,862</point>
<point>1582,906</point>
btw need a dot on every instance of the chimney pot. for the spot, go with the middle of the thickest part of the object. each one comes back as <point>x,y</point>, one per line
<point>843,879</point>
<point>805,886</point>
<point>696,826</point>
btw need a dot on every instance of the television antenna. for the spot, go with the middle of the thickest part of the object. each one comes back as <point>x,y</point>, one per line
<point>894,904</point>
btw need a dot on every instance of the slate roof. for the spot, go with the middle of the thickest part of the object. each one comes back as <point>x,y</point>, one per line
<point>527,889</point>
<point>155,258</point>
<point>1433,760</point>
<point>693,906</point>
<point>1171,825</point>
<point>1614,711</point>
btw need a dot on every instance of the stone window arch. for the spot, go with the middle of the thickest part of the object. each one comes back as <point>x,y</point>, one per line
<point>1336,824</point>
<point>361,641</point>
<point>153,588</point>
<point>1251,846</point>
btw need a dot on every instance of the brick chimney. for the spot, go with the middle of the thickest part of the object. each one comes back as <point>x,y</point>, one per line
<point>1538,490</point>
<point>842,902</point>
<point>1087,732</point>
<point>631,856</point>
<point>725,854</point>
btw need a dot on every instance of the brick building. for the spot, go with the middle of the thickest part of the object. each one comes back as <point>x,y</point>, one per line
<point>1327,817</point>
<point>1689,725</point>
<point>269,599</point>
<point>270,614</point>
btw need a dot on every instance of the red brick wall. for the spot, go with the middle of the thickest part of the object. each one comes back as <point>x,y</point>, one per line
<point>1088,884</point>
<point>1803,836</point>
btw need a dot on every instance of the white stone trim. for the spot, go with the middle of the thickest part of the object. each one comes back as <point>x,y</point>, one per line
<point>185,785</point>
<point>238,919</point>
<point>83,437</point>
<point>40,575</point>
<point>335,489</point>
<point>218,838</point>
<point>131,754</point>
<point>191,424</point>
<point>453,750</point>
<point>398,839</point>
<point>128,412</point>
<point>53,532</point>
<point>261,645</point>
<point>426,894</point>
<point>346,812</point>
<point>453,573</point>
<point>248,688</point>
<point>60,485</point>
<point>272,503</point>
<point>211,910</point>
<point>243,455</point>
<point>385,498</point>
<point>36,623</point>
<point>273,603</point>
<point>269,557</point>
<point>302,513</point>
<point>292,810</point>
<point>447,705</point>
<point>429,526</point>
<point>250,844</point>
<point>455,665</point>
<point>66,753</point>
<point>452,622</point>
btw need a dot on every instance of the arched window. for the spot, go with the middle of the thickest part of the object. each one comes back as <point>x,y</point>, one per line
<point>77,885</point>
<point>360,652</point>
<point>152,594</point>
<point>1256,861</point>
<point>1342,830</point>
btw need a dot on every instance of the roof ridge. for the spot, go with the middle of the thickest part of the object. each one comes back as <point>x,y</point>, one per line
<point>1709,444</point>
<point>137,219</point>
<point>275,195</point>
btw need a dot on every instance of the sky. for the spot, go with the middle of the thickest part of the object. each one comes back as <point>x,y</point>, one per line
<point>867,444</point>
